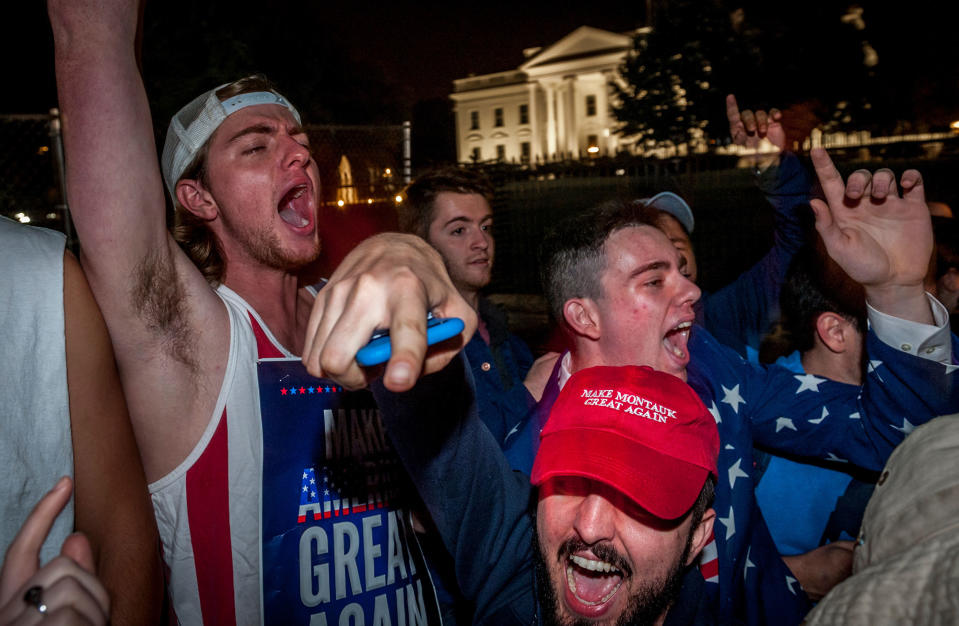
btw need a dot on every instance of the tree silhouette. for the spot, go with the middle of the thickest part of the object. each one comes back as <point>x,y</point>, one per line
<point>676,75</point>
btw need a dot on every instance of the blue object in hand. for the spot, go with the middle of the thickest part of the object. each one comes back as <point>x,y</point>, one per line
<point>437,329</point>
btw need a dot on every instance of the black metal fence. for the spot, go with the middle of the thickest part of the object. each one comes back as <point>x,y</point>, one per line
<point>733,222</point>
<point>362,165</point>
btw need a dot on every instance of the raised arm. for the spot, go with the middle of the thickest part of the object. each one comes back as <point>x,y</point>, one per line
<point>881,239</point>
<point>741,313</point>
<point>113,176</point>
<point>168,328</point>
<point>112,506</point>
<point>748,129</point>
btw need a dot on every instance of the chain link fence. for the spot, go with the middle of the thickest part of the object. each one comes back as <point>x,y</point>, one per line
<point>30,171</point>
<point>361,164</point>
<point>363,168</point>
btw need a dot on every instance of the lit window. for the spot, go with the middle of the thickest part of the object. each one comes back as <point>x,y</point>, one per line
<point>592,144</point>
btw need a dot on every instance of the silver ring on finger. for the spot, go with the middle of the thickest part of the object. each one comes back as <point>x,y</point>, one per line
<point>34,597</point>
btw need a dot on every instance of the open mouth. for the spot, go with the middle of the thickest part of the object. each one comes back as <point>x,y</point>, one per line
<point>592,582</point>
<point>676,339</point>
<point>295,207</point>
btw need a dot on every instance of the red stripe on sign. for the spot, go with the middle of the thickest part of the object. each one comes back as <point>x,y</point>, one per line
<point>264,347</point>
<point>208,508</point>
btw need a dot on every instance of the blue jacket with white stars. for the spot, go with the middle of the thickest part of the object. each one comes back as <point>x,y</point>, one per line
<point>772,406</point>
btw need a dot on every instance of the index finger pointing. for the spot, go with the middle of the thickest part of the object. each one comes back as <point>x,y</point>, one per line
<point>829,177</point>
<point>732,109</point>
<point>23,555</point>
<point>408,343</point>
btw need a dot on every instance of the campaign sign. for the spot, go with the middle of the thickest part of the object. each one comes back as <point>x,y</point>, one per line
<point>337,543</point>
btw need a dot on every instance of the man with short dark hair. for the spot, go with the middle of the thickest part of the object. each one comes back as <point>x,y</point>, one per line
<point>620,510</point>
<point>450,208</point>
<point>617,285</point>
<point>809,502</point>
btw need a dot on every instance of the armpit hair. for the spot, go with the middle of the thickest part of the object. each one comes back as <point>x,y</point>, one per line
<point>159,299</point>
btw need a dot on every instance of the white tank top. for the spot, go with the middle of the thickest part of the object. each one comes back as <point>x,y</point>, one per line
<point>247,536</point>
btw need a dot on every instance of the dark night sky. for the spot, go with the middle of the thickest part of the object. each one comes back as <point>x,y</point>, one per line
<point>417,49</point>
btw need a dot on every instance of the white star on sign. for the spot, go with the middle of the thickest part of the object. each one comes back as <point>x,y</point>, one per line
<point>715,412</point>
<point>825,412</point>
<point>735,471</point>
<point>808,381</point>
<point>789,584</point>
<point>748,563</point>
<point>732,397</point>
<point>729,523</point>
<point>785,422</point>
<point>907,427</point>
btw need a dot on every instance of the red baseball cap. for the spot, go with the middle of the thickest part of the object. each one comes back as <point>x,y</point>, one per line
<point>642,432</point>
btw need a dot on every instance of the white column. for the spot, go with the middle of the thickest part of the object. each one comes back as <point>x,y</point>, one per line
<point>561,125</point>
<point>535,138</point>
<point>551,138</point>
<point>572,119</point>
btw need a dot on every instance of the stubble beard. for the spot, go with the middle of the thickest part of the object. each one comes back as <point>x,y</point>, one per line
<point>647,603</point>
<point>263,246</point>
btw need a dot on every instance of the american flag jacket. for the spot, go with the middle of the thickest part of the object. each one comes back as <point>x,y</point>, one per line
<point>797,414</point>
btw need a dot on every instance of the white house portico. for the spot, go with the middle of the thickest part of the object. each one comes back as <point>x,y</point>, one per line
<point>553,106</point>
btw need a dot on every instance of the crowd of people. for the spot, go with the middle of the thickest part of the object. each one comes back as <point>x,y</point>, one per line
<point>688,458</point>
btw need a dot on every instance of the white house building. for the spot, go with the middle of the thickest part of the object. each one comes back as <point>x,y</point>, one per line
<point>554,105</point>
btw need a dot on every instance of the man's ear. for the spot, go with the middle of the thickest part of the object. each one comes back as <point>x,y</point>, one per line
<point>582,316</point>
<point>194,197</point>
<point>701,535</point>
<point>833,330</point>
